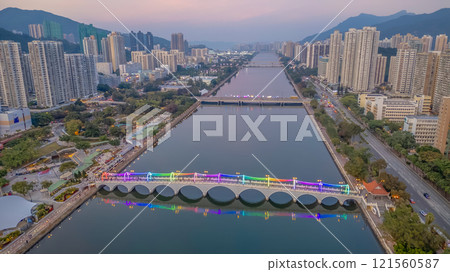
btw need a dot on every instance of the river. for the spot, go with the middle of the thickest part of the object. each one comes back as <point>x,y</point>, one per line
<point>176,225</point>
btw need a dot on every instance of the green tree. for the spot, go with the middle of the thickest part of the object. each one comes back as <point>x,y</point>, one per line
<point>114,142</point>
<point>3,173</point>
<point>67,166</point>
<point>117,131</point>
<point>124,85</point>
<point>73,126</point>
<point>82,145</point>
<point>19,154</point>
<point>91,130</point>
<point>22,187</point>
<point>409,233</point>
<point>103,88</point>
<point>370,116</point>
<point>40,119</point>
<point>404,139</point>
<point>377,166</point>
<point>356,167</point>
<point>46,184</point>
<point>314,104</point>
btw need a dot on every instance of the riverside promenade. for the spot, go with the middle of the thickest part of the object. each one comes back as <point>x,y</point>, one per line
<point>38,231</point>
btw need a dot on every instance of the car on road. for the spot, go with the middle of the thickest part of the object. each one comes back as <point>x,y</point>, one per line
<point>423,213</point>
<point>412,201</point>
<point>426,195</point>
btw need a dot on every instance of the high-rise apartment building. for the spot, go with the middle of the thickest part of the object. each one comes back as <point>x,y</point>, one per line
<point>147,61</point>
<point>52,30</point>
<point>313,51</point>
<point>90,30</point>
<point>380,69</point>
<point>322,67</point>
<point>443,126</point>
<point>365,59</point>
<point>82,75</point>
<point>348,57</point>
<point>442,86</point>
<point>149,41</point>
<point>27,74</point>
<point>105,50</point>
<point>115,47</point>
<point>12,83</point>
<point>288,49</point>
<point>396,40</point>
<point>177,42</point>
<point>427,42</point>
<point>425,73</point>
<point>401,70</point>
<point>297,52</point>
<point>386,43</point>
<point>36,31</point>
<point>49,72</point>
<point>441,42</point>
<point>334,60</point>
<point>90,47</point>
<point>167,59</point>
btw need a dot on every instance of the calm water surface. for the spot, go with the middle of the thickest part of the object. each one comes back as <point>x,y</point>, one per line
<point>175,225</point>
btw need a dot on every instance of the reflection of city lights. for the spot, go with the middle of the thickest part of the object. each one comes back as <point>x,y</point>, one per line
<point>205,211</point>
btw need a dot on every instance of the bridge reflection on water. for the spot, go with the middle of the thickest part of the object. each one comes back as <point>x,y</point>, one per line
<point>177,205</point>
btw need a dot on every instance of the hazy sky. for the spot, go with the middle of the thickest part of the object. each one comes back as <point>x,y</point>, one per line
<point>223,20</point>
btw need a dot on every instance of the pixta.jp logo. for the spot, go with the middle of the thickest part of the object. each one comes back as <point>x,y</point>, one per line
<point>304,129</point>
<point>143,125</point>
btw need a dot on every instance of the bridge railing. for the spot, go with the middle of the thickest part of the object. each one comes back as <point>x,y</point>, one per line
<point>284,184</point>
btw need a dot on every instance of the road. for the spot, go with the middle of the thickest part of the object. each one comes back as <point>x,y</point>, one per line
<point>416,186</point>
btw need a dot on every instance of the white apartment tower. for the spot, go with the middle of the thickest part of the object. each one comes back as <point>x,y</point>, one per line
<point>90,47</point>
<point>334,60</point>
<point>115,49</point>
<point>348,57</point>
<point>402,67</point>
<point>12,83</point>
<point>82,73</point>
<point>365,59</point>
<point>380,69</point>
<point>49,72</point>
<point>442,87</point>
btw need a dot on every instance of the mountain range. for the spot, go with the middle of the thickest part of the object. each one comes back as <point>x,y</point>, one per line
<point>15,19</point>
<point>401,22</point>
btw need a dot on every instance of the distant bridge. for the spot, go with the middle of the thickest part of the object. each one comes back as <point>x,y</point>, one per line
<point>252,101</point>
<point>264,64</point>
<point>128,181</point>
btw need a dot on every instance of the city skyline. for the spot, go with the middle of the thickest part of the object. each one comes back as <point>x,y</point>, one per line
<point>228,22</point>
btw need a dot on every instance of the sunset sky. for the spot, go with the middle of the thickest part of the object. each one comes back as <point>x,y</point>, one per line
<point>223,20</point>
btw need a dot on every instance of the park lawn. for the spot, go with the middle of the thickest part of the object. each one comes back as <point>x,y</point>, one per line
<point>49,149</point>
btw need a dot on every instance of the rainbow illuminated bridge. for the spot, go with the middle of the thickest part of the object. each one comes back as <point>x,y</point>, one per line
<point>128,181</point>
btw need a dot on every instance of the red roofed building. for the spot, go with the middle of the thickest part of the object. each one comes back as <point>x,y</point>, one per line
<point>375,189</point>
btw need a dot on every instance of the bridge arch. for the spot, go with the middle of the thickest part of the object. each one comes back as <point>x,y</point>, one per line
<point>221,194</point>
<point>141,190</point>
<point>330,201</point>
<point>252,197</point>
<point>190,193</point>
<point>307,200</point>
<point>280,199</point>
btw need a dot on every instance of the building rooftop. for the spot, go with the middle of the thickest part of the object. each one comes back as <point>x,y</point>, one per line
<point>375,188</point>
<point>427,117</point>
